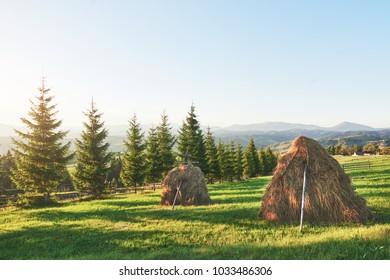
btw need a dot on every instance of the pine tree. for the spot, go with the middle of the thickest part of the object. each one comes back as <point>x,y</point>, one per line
<point>239,159</point>
<point>221,154</point>
<point>40,155</point>
<point>264,166</point>
<point>166,141</point>
<point>153,159</point>
<point>114,172</point>
<point>133,170</point>
<point>272,160</point>
<point>230,161</point>
<point>212,157</point>
<point>251,160</point>
<point>93,157</point>
<point>191,141</point>
<point>7,163</point>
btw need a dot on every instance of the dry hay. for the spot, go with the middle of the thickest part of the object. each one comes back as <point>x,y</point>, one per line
<point>193,190</point>
<point>329,196</point>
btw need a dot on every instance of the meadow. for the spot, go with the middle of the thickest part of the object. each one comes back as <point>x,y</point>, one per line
<point>135,226</point>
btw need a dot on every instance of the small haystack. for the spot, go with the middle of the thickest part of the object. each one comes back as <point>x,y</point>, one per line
<point>329,194</point>
<point>192,186</point>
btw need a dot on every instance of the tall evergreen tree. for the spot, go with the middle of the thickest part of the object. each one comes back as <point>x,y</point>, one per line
<point>114,173</point>
<point>40,155</point>
<point>221,154</point>
<point>272,160</point>
<point>239,159</point>
<point>133,169</point>
<point>264,166</point>
<point>153,159</point>
<point>212,157</point>
<point>7,163</point>
<point>230,161</point>
<point>166,141</point>
<point>191,141</point>
<point>93,157</point>
<point>251,160</point>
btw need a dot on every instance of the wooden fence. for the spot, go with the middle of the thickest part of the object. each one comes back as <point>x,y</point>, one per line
<point>11,195</point>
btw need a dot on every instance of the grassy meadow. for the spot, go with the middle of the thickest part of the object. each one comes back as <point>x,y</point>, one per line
<point>135,226</point>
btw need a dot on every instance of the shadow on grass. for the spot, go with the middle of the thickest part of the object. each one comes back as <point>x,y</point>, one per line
<point>66,242</point>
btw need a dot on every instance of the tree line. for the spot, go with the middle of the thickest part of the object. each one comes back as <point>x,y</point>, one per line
<point>346,150</point>
<point>38,163</point>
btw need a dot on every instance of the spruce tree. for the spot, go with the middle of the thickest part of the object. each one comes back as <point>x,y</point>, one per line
<point>212,157</point>
<point>93,157</point>
<point>239,159</point>
<point>191,141</point>
<point>40,155</point>
<point>166,141</point>
<point>114,172</point>
<point>264,165</point>
<point>153,159</point>
<point>251,160</point>
<point>221,154</point>
<point>133,169</point>
<point>7,163</point>
<point>272,160</point>
<point>230,161</point>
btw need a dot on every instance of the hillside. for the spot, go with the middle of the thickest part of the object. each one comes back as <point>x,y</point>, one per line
<point>278,135</point>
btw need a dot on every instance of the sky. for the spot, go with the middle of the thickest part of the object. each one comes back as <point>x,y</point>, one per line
<point>239,62</point>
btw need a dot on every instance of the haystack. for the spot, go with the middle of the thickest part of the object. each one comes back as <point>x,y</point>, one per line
<point>191,183</point>
<point>329,196</point>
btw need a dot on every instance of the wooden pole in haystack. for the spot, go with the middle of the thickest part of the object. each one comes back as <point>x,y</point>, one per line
<point>177,192</point>
<point>303,197</point>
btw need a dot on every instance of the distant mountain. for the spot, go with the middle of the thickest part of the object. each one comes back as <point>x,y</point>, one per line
<point>348,126</point>
<point>283,126</point>
<point>271,126</point>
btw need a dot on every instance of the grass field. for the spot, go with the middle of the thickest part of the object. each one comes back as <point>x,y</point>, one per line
<point>136,227</point>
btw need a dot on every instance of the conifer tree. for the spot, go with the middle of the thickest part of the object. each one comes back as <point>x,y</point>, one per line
<point>153,159</point>
<point>191,141</point>
<point>264,166</point>
<point>239,158</point>
<point>251,160</point>
<point>40,155</point>
<point>272,160</point>
<point>212,157</point>
<point>166,141</point>
<point>133,169</point>
<point>230,161</point>
<point>93,157</point>
<point>221,154</point>
<point>7,163</point>
<point>114,172</point>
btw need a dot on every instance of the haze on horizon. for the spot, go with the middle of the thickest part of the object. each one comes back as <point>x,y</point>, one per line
<point>239,62</point>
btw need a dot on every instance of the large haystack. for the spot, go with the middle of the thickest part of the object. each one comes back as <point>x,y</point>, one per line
<point>329,194</point>
<point>193,190</point>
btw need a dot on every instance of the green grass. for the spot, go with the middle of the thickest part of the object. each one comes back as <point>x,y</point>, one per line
<point>136,227</point>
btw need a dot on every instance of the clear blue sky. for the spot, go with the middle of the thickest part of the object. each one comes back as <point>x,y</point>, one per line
<point>317,62</point>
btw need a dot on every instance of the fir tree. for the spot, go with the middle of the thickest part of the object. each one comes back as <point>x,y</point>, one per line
<point>230,161</point>
<point>264,166</point>
<point>7,163</point>
<point>251,160</point>
<point>212,157</point>
<point>272,160</point>
<point>93,157</point>
<point>166,141</point>
<point>114,172</point>
<point>40,155</point>
<point>153,159</point>
<point>133,170</point>
<point>221,154</point>
<point>239,159</point>
<point>191,141</point>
